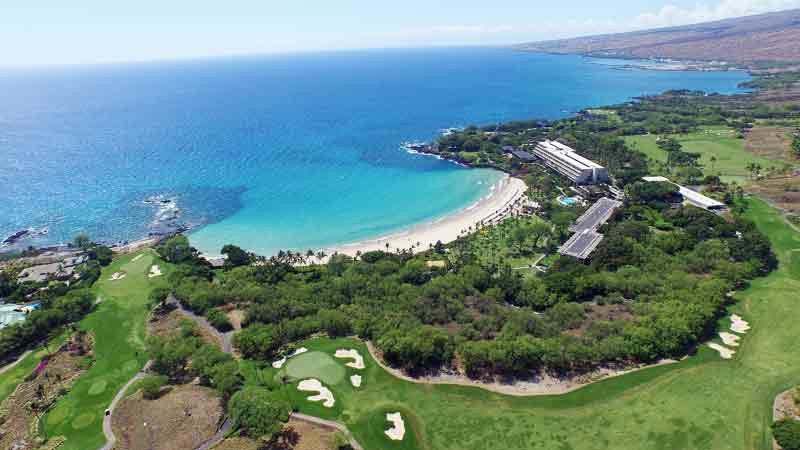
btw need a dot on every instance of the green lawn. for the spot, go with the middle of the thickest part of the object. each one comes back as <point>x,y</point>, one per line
<point>720,142</point>
<point>703,402</point>
<point>118,326</point>
<point>9,380</point>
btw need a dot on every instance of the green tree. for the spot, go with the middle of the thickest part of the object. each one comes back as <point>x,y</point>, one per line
<point>787,434</point>
<point>82,241</point>
<point>258,413</point>
<point>236,257</point>
<point>151,386</point>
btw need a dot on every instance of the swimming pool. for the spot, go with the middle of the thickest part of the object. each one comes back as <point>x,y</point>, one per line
<point>8,316</point>
<point>568,201</point>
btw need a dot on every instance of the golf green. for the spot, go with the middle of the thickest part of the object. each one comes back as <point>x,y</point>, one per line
<point>317,365</point>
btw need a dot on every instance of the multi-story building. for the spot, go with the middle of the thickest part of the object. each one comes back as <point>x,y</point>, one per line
<point>566,161</point>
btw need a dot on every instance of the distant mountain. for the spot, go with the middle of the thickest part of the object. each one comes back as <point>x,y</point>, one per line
<point>772,37</point>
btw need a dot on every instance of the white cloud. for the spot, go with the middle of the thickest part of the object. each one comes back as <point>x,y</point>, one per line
<point>671,15</point>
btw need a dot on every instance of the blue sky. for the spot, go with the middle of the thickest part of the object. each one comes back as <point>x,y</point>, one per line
<point>94,31</point>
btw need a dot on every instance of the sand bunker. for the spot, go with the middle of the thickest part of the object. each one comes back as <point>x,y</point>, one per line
<point>137,257</point>
<point>155,271</point>
<point>325,395</point>
<point>397,432</point>
<point>118,276</point>
<point>724,352</point>
<point>355,380</point>
<point>358,362</point>
<point>739,325</point>
<point>279,363</point>
<point>731,340</point>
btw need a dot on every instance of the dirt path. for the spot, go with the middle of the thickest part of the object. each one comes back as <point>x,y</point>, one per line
<point>10,366</point>
<point>225,338</point>
<point>545,386</point>
<point>329,424</point>
<point>110,438</point>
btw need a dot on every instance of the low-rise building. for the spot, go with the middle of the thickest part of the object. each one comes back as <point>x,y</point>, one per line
<point>692,197</point>
<point>586,238</point>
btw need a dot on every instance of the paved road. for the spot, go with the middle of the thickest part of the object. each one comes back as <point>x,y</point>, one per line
<point>10,366</point>
<point>110,438</point>
<point>330,424</point>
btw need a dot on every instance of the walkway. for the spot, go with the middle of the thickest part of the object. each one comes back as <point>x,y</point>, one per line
<point>10,366</point>
<point>110,438</point>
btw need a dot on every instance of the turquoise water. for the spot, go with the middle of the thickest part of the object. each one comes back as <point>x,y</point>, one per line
<point>569,201</point>
<point>279,152</point>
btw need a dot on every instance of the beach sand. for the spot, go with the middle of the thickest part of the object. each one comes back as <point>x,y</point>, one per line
<point>507,197</point>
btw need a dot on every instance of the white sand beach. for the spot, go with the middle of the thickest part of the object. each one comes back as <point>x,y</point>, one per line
<point>507,197</point>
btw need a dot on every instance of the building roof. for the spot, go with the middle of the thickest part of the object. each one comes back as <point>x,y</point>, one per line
<point>596,215</point>
<point>568,154</point>
<point>523,155</point>
<point>693,197</point>
<point>581,244</point>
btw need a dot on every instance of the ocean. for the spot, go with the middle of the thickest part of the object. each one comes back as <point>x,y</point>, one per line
<point>276,152</point>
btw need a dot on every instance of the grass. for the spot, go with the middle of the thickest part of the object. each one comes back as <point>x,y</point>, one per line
<point>495,245</point>
<point>9,380</point>
<point>719,142</point>
<point>314,365</point>
<point>118,326</point>
<point>702,402</point>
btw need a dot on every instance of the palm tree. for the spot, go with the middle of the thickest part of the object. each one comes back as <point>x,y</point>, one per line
<point>321,255</point>
<point>713,160</point>
<point>309,254</point>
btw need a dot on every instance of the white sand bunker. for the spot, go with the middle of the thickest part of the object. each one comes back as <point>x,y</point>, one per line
<point>739,325</point>
<point>155,271</point>
<point>118,276</point>
<point>355,380</point>
<point>731,340</point>
<point>137,257</point>
<point>724,352</point>
<point>325,395</point>
<point>358,360</point>
<point>279,363</point>
<point>397,432</point>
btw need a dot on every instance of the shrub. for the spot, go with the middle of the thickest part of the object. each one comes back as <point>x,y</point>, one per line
<point>787,433</point>
<point>258,413</point>
<point>151,386</point>
<point>217,318</point>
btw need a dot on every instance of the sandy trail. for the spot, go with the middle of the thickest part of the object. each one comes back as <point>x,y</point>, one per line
<point>731,340</point>
<point>505,199</point>
<point>739,325</point>
<point>155,271</point>
<point>358,360</point>
<point>398,429</point>
<point>724,352</point>
<point>116,276</point>
<point>324,394</point>
<point>279,363</point>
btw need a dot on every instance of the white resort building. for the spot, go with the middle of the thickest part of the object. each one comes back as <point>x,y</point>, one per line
<point>692,197</point>
<point>566,161</point>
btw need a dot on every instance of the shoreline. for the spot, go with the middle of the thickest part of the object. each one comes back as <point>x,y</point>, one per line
<point>505,198</point>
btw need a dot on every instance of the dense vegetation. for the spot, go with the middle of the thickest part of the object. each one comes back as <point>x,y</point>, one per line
<point>787,434</point>
<point>185,357</point>
<point>60,302</point>
<point>653,289</point>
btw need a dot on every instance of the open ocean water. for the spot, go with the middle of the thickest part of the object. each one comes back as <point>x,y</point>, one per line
<point>277,152</point>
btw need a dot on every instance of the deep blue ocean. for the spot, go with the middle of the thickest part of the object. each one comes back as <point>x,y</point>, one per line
<point>277,152</point>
